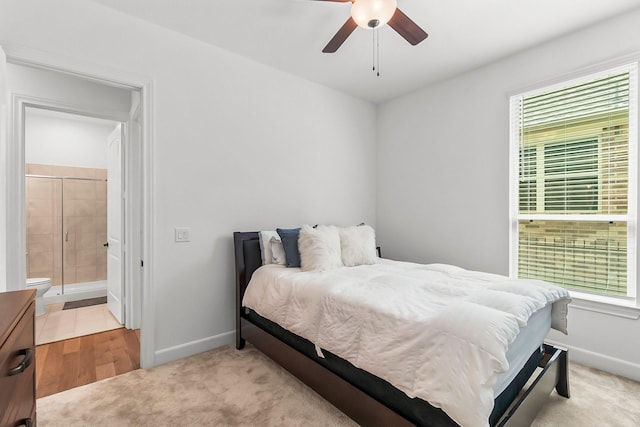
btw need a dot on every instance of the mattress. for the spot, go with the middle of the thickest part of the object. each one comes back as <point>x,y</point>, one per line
<point>436,332</point>
<point>530,337</point>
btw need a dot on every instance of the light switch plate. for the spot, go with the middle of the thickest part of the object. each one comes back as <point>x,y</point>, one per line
<point>182,234</point>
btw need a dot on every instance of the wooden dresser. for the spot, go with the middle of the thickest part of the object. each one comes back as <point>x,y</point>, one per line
<point>17,359</point>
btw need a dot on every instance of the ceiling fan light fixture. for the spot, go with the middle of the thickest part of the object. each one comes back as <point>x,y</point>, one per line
<point>373,13</point>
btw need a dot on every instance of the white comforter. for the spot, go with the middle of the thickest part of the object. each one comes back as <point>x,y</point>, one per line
<point>436,332</point>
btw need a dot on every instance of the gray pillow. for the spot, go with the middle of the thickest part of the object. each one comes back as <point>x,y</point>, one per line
<point>289,237</point>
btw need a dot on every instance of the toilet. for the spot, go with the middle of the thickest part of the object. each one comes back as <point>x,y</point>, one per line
<point>41,285</point>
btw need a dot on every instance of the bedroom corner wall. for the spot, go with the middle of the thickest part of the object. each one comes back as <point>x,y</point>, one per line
<point>237,146</point>
<point>443,175</point>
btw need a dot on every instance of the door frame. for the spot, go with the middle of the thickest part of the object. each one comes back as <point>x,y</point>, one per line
<point>19,104</point>
<point>138,175</point>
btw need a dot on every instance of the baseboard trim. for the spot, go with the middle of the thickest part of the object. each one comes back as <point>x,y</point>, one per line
<point>600,361</point>
<point>194,347</point>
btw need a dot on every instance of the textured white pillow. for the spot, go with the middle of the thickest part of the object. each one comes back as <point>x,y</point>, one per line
<point>358,245</point>
<point>319,248</point>
<point>265,246</point>
<point>277,251</point>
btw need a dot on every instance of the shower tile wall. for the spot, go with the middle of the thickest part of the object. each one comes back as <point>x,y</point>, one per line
<point>44,222</point>
<point>84,216</point>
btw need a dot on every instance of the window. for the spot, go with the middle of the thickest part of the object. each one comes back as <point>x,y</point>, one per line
<point>571,176</point>
<point>573,187</point>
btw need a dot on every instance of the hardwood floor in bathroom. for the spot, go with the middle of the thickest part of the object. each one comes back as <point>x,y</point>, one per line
<point>67,364</point>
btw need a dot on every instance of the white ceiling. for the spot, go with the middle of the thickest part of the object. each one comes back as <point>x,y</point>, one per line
<point>290,34</point>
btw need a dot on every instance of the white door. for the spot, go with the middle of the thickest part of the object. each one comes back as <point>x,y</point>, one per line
<point>115,288</point>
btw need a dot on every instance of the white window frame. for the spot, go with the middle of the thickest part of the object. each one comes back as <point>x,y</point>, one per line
<point>628,307</point>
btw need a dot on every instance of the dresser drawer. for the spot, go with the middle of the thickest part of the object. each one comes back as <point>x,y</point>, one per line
<point>17,372</point>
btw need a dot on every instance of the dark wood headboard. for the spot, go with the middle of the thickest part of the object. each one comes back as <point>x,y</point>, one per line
<point>248,259</point>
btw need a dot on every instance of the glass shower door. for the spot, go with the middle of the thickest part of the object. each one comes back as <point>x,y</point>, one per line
<point>66,224</point>
<point>85,233</point>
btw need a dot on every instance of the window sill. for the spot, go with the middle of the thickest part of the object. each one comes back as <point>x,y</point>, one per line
<point>605,305</point>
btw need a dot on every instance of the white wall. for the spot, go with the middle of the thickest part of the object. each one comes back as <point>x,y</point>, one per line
<point>67,89</point>
<point>237,146</point>
<point>66,140</point>
<point>443,174</point>
<point>3,141</point>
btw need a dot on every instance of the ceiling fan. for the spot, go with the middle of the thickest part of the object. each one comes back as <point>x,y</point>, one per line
<point>372,14</point>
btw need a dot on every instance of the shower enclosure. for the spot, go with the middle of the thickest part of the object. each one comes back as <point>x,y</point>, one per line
<point>66,224</point>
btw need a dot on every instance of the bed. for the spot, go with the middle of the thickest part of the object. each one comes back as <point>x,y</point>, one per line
<point>370,399</point>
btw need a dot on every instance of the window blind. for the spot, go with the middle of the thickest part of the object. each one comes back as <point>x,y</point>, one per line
<point>573,207</point>
<point>590,256</point>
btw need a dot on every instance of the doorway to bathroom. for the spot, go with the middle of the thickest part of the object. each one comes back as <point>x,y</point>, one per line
<point>52,82</point>
<point>73,221</point>
<point>64,125</point>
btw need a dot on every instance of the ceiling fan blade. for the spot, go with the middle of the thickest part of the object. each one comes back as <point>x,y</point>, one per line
<point>342,34</point>
<point>408,29</point>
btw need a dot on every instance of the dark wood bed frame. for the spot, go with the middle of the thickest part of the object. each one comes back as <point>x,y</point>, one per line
<point>356,403</point>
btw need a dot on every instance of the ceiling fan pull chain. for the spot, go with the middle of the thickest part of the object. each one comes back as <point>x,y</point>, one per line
<point>378,51</point>
<point>373,50</point>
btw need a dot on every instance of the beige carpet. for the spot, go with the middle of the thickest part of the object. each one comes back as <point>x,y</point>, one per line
<point>225,387</point>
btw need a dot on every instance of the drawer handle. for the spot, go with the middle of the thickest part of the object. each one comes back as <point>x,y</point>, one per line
<point>26,361</point>
<point>25,422</point>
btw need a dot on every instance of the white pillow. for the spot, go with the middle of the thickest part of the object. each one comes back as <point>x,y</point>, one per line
<point>358,245</point>
<point>319,248</point>
<point>277,251</point>
<point>265,246</point>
